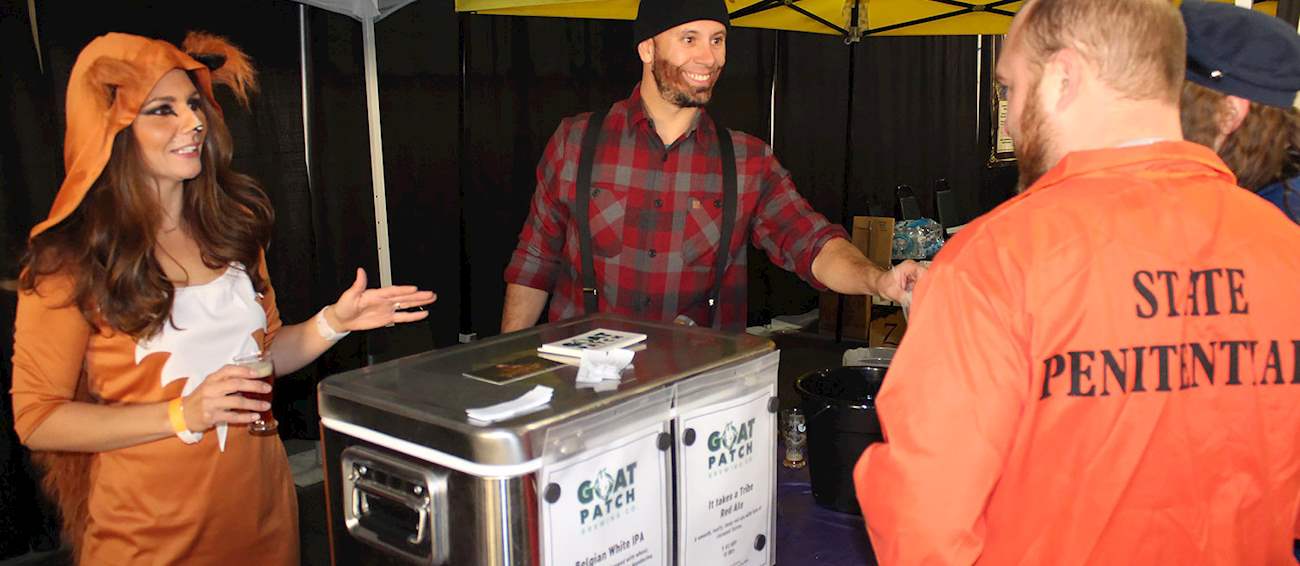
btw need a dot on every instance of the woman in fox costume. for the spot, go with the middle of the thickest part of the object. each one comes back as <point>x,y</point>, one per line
<point>145,282</point>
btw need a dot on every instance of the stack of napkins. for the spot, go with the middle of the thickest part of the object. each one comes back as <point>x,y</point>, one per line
<point>597,366</point>
<point>535,399</point>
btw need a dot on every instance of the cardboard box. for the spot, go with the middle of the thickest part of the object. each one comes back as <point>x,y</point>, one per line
<point>876,324</point>
<point>856,321</point>
<point>874,235</point>
<point>887,326</point>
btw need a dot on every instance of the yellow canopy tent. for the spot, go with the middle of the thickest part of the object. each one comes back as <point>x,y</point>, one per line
<point>874,17</point>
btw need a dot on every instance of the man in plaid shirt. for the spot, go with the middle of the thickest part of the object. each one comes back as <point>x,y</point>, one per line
<point>657,196</point>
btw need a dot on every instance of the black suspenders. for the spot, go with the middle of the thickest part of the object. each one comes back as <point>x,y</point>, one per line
<point>581,208</point>
<point>582,213</point>
<point>729,189</point>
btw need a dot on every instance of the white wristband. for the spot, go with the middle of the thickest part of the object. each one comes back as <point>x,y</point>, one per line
<point>323,328</point>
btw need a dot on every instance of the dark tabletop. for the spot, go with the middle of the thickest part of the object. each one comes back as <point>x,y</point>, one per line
<point>807,533</point>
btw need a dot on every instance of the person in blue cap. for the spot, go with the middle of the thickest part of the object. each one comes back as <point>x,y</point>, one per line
<point>1243,72</point>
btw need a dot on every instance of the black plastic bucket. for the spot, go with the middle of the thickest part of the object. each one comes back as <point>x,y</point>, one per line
<point>840,405</point>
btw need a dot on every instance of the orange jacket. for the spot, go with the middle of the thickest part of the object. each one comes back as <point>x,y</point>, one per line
<point>1103,370</point>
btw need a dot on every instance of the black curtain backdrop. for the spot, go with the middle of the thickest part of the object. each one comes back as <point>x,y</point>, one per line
<point>27,159</point>
<point>811,79</point>
<point>522,76</point>
<point>914,122</point>
<point>914,118</point>
<point>419,83</point>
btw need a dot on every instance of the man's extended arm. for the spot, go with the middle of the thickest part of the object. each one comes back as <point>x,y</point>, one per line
<point>799,239</point>
<point>842,268</point>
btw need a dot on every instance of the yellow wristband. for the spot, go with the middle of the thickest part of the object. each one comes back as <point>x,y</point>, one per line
<point>176,413</point>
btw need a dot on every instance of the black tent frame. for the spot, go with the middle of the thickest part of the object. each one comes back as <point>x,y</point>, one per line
<point>854,34</point>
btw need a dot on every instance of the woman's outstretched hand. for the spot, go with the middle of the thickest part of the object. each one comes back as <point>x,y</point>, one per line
<point>359,308</point>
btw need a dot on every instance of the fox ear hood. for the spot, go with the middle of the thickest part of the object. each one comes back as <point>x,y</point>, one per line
<point>229,65</point>
<point>110,80</point>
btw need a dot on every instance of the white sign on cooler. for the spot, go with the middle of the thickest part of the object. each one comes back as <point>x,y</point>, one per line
<point>727,473</point>
<point>608,506</point>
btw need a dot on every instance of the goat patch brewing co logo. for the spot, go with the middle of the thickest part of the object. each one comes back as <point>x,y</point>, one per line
<point>726,479</point>
<point>607,496</point>
<point>730,445</point>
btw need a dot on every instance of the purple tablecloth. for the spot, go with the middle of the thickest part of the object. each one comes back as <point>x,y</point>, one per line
<point>807,533</point>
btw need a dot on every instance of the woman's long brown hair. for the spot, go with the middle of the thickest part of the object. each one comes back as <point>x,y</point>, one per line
<point>1265,149</point>
<point>107,245</point>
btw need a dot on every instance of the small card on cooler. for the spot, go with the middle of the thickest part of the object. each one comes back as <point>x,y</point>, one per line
<point>514,369</point>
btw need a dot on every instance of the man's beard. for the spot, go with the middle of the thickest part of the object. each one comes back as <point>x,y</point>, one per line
<point>1034,143</point>
<point>674,89</point>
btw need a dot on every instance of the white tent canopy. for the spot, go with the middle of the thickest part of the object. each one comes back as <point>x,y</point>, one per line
<point>362,10</point>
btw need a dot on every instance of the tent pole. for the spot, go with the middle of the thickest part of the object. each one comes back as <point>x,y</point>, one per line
<point>846,218</point>
<point>36,36</point>
<point>304,35</point>
<point>776,74</point>
<point>979,84</point>
<point>376,151</point>
<point>462,145</point>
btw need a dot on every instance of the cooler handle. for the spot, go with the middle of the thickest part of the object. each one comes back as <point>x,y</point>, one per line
<point>364,487</point>
<point>370,476</point>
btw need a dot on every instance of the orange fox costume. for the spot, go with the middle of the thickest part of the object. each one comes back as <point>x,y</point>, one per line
<point>1103,370</point>
<point>162,502</point>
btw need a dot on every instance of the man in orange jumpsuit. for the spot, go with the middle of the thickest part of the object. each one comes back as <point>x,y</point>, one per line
<point>1103,370</point>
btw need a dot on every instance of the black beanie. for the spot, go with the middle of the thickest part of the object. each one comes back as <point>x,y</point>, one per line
<point>656,16</point>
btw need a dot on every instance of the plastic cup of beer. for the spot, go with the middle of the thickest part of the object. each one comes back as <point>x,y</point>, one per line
<point>795,435</point>
<point>263,370</point>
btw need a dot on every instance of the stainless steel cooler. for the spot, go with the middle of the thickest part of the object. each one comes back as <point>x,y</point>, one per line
<point>410,480</point>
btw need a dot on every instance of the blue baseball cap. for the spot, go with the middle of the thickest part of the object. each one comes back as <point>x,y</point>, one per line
<point>1242,52</point>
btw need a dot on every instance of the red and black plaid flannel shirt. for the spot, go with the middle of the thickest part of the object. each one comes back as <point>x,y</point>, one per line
<point>655,215</point>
